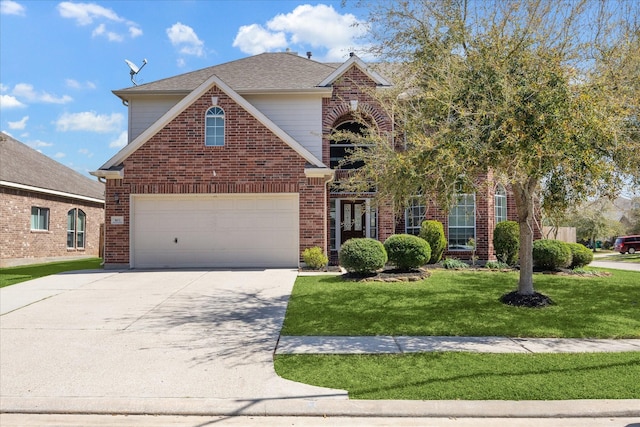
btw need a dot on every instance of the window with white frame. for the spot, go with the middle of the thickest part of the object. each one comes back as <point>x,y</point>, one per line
<point>462,222</point>
<point>39,218</point>
<point>414,216</point>
<point>76,227</point>
<point>214,123</point>
<point>339,150</point>
<point>501,203</point>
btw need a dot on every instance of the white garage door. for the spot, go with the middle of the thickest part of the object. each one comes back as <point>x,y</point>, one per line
<point>249,230</point>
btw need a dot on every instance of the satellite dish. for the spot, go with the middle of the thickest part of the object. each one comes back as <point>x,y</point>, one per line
<point>134,69</point>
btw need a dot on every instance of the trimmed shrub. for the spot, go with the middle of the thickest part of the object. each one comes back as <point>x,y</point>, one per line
<point>314,257</point>
<point>581,255</point>
<point>362,255</point>
<point>551,254</point>
<point>433,232</point>
<point>506,241</point>
<point>454,264</point>
<point>406,251</point>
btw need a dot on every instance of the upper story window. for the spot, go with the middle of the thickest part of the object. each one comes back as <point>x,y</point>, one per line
<point>39,218</point>
<point>501,203</point>
<point>214,124</point>
<point>339,149</point>
<point>462,222</point>
<point>414,215</point>
<point>76,227</point>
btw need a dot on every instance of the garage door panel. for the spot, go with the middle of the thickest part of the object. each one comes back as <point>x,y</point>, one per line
<point>215,231</point>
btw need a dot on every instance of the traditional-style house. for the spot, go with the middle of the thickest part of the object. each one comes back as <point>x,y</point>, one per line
<point>231,166</point>
<point>48,212</point>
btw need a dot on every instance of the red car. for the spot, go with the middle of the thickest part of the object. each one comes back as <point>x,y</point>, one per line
<point>626,244</point>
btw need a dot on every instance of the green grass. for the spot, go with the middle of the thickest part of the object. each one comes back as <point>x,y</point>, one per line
<point>470,376</point>
<point>13,275</point>
<point>466,303</point>
<point>618,257</point>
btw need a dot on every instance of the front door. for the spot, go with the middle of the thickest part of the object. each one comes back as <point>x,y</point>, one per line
<point>352,216</point>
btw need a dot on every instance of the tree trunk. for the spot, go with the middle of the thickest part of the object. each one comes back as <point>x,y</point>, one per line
<point>524,196</point>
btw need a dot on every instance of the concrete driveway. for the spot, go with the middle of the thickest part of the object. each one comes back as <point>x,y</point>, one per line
<point>192,342</point>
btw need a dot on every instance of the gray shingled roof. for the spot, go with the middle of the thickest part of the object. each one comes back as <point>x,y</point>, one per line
<point>266,71</point>
<point>21,164</point>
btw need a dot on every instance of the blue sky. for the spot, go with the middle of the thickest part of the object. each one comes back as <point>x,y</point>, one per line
<point>60,60</point>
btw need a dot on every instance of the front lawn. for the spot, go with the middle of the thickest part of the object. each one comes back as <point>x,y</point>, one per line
<point>13,275</point>
<point>470,376</point>
<point>466,303</point>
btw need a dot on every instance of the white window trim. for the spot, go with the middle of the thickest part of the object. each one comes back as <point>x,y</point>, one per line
<point>206,126</point>
<point>475,224</point>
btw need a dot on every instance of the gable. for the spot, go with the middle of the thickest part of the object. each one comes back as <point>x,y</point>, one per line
<point>177,153</point>
<point>173,113</point>
<point>354,61</point>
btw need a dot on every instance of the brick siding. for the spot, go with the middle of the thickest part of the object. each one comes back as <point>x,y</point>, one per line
<point>20,244</point>
<point>176,161</point>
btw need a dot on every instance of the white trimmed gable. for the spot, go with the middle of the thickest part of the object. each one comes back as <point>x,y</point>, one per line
<point>190,99</point>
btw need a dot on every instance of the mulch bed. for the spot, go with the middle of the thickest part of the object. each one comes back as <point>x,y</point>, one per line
<point>389,276</point>
<point>535,300</point>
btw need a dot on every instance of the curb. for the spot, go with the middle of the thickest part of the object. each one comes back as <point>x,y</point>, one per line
<point>326,407</point>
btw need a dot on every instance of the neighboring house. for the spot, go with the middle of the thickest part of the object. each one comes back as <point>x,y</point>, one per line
<point>48,211</point>
<point>231,166</point>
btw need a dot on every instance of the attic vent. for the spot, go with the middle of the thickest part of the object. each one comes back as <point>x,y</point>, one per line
<point>308,55</point>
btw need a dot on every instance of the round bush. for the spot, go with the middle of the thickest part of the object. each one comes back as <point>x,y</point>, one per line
<point>551,254</point>
<point>433,232</point>
<point>506,241</point>
<point>314,257</point>
<point>581,255</point>
<point>406,251</point>
<point>362,255</point>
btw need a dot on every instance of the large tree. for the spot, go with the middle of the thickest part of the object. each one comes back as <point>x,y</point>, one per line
<point>542,94</point>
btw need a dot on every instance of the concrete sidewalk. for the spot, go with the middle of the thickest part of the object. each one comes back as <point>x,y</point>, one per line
<point>389,344</point>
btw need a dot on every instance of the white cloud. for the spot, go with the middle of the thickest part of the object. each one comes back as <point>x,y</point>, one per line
<point>121,141</point>
<point>9,7</point>
<point>184,37</point>
<point>320,27</point>
<point>20,124</point>
<point>254,39</point>
<point>37,144</point>
<point>101,30</point>
<point>86,152</point>
<point>74,84</point>
<point>135,32</point>
<point>87,13</point>
<point>89,121</point>
<point>26,91</point>
<point>59,155</point>
<point>8,101</point>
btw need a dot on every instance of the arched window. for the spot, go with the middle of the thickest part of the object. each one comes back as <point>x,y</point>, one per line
<point>501,203</point>
<point>76,227</point>
<point>214,123</point>
<point>339,149</point>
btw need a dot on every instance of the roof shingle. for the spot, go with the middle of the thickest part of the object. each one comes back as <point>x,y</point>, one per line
<point>20,164</point>
<point>266,71</point>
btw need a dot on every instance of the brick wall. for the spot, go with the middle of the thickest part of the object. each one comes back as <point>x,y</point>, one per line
<point>485,220</point>
<point>354,84</point>
<point>20,244</point>
<point>176,161</point>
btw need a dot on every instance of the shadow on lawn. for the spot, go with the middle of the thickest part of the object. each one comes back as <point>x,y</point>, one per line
<point>488,376</point>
